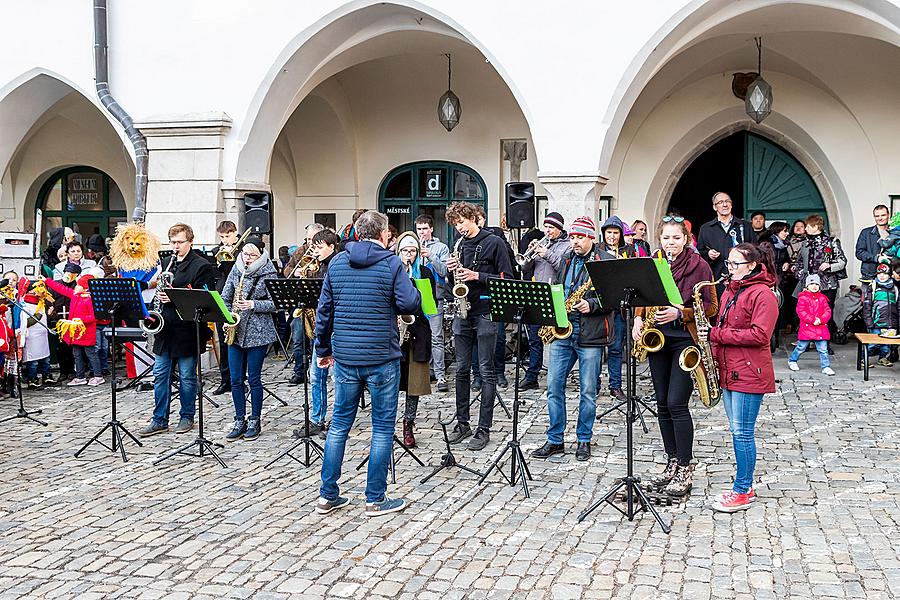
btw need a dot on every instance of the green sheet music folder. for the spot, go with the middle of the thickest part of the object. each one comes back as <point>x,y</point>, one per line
<point>428,305</point>
<point>665,275</point>
<point>559,305</point>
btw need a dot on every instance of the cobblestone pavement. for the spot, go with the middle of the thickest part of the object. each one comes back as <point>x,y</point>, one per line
<point>825,524</point>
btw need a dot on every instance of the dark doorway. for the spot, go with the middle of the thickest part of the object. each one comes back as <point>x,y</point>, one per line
<point>719,169</point>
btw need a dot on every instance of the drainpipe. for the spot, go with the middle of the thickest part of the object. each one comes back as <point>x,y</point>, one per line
<point>101,70</point>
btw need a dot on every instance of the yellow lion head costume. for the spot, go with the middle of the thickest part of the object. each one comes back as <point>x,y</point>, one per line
<point>134,248</point>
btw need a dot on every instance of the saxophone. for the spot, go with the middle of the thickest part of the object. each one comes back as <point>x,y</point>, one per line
<point>231,328</point>
<point>153,323</point>
<point>698,360</point>
<point>651,339</point>
<point>549,333</point>
<point>460,289</point>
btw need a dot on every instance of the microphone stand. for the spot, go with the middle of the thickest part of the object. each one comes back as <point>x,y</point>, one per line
<point>22,413</point>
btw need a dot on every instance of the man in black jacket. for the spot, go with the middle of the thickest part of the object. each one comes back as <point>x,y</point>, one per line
<point>481,255</point>
<point>176,344</point>
<point>592,328</point>
<point>719,236</point>
<point>867,249</point>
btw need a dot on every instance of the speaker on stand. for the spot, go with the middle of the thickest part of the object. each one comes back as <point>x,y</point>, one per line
<point>520,207</point>
<point>258,215</point>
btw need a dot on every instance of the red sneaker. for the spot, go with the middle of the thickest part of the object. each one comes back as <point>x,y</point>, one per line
<point>730,502</point>
<point>751,494</point>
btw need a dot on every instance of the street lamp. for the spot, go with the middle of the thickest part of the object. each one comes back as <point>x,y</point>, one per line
<point>758,102</point>
<point>449,108</point>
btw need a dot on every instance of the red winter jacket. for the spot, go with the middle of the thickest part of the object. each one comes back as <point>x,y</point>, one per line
<point>810,306</point>
<point>747,314</point>
<point>80,307</point>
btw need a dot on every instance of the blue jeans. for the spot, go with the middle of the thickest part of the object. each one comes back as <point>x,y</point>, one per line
<point>319,381</point>
<point>383,383</point>
<point>535,354</point>
<point>102,348</point>
<point>563,354</point>
<point>247,361</point>
<point>821,348</point>
<point>297,343</point>
<point>33,368</point>
<point>615,353</point>
<point>162,386</point>
<point>742,409</point>
<point>879,350</point>
<point>84,356</point>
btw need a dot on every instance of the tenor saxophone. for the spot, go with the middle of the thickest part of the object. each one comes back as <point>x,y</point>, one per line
<point>460,289</point>
<point>698,360</point>
<point>231,328</point>
<point>549,333</point>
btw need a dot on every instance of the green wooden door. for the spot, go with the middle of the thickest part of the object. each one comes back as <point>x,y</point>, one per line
<point>777,184</point>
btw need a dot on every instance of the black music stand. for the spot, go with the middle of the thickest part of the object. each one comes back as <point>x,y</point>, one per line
<point>201,307</point>
<point>22,413</point>
<point>516,301</point>
<point>627,284</point>
<point>115,300</point>
<point>448,460</point>
<point>392,466</point>
<point>288,295</point>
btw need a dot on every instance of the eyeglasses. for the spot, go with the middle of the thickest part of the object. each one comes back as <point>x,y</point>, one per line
<point>735,265</point>
<point>408,251</point>
<point>724,201</point>
<point>670,218</point>
<point>178,242</point>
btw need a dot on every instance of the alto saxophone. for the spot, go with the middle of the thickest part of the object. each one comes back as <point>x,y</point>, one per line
<point>230,329</point>
<point>651,339</point>
<point>698,360</point>
<point>153,322</point>
<point>549,333</point>
<point>403,323</point>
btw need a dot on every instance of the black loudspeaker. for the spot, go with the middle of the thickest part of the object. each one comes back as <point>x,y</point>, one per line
<point>258,212</point>
<point>520,209</point>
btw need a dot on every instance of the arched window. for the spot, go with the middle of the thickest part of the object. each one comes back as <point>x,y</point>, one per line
<point>83,198</point>
<point>428,187</point>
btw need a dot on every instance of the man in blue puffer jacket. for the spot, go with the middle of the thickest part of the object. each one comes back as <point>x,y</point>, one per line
<point>365,290</point>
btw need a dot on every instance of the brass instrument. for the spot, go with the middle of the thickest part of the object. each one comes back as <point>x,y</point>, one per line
<point>307,267</point>
<point>698,360</point>
<point>651,339</point>
<point>230,329</point>
<point>403,323</point>
<point>460,289</point>
<point>528,256</point>
<point>224,255</point>
<point>153,322</point>
<point>549,333</point>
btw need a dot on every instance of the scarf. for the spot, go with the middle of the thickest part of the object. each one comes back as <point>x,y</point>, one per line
<point>688,270</point>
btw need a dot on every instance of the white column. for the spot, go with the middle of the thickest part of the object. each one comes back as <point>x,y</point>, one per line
<point>573,194</point>
<point>185,174</point>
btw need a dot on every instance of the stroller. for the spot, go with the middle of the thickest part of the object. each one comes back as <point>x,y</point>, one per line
<point>848,315</point>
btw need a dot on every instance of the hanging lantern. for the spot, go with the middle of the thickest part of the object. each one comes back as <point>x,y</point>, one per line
<point>758,103</point>
<point>449,108</point>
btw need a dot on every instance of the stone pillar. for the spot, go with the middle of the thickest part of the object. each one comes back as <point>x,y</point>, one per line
<point>573,194</point>
<point>185,173</point>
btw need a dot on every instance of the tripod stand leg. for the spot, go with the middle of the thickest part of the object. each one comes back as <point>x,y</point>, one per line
<point>408,450</point>
<point>94,439</point>
<point>640,415</point>
<point>522,471</point>
<point>274,395</point>
<point>648,505</point>
<point>496,465</point>
<point>211,450</point>
<point>128,433</point>
<point>117,438</point>
<point>599,503</point>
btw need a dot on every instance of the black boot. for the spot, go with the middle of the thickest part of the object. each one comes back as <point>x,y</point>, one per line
<point>224,387</point>
<point>11,386</point>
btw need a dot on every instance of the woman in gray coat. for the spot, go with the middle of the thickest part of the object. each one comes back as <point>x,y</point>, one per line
<point>245,294</point>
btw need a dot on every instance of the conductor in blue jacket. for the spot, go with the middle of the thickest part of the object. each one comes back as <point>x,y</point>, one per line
<point>364,292</point>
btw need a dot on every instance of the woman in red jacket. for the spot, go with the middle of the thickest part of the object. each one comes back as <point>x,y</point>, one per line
<point>80,331</point>
<point>748,311</point>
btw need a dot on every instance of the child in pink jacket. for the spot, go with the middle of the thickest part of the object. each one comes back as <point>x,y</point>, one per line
<point>80,331</point>
<point>814,313</point>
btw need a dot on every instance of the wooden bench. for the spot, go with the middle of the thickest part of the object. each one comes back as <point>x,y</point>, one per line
<point>862,349</point>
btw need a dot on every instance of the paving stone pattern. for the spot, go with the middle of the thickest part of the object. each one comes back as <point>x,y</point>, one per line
<point>825,524</point>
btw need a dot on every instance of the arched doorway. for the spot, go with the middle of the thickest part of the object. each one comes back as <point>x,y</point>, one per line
<point>427,188</point>
<point>83,198</point>
<point>758,174</point>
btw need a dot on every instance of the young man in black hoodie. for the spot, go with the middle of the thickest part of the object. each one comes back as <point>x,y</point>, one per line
<point>481,255</point>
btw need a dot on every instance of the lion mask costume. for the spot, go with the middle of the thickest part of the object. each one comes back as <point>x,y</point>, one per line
<point>134,248</point>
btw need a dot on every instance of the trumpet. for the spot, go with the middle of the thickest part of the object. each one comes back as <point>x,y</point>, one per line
<point>224,255</point>
<point>528,256</point>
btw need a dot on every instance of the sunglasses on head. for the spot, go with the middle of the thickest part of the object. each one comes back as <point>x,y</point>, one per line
<point>670,218</point>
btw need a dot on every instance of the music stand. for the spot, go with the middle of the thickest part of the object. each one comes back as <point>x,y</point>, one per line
<point>22,413</point>
<point>201,307</point>
<point>516,301</point>
<point>288,295</point>
<point>627,284</point>
<point>115,300</point>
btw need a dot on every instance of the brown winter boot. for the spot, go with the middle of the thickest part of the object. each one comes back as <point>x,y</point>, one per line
<point>682,481</point>
<point>408,439</point>
<point>662,480</point>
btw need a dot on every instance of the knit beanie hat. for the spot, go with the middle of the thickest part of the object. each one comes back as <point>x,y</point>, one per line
<point>583,226</point>
<point>883,268</point>
<point>555,219</point>
<point>83,280</point>
<point>813,279</point>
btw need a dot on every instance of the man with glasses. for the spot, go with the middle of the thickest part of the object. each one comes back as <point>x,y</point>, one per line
<point>435,253</point>
<point>176,344</point>
<point>719,236</point>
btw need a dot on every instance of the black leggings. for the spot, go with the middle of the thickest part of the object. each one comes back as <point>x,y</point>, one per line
<point>673,388</point>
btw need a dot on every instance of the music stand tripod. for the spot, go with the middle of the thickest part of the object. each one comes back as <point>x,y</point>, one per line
<point>22,413</point>
<point>115,300</point>
<point>448,460</point>
<point>201,307</point>
<point>290,294</point>
<point>629,284</point>
<point>528,302</point>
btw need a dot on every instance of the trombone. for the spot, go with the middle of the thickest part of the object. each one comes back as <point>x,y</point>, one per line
<point>224,255</point>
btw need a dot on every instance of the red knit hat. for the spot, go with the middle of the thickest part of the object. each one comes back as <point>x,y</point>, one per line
<point>83,280</point>
<point>583,226</point>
